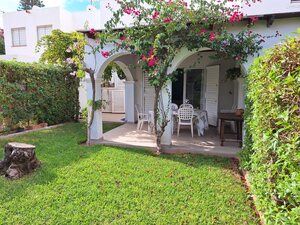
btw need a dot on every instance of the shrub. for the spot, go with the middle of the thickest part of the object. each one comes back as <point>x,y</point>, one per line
<point>273,132</point>
<point>37,92</point>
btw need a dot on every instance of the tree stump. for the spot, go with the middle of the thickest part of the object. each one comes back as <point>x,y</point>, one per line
<point>19,160</point>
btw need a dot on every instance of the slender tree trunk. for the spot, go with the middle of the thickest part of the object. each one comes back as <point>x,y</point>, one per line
<point>156,114</point>
<point>159,126</point>
<point>92,114</point>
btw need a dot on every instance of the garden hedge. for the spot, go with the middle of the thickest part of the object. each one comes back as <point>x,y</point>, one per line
<point>272,152</point>
<point>37,93</point>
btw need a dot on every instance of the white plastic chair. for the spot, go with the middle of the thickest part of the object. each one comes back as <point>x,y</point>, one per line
<point>151,122</point>
<point>142,117</point>
<point>185,118</point>
<point>186,105</point>
<point>174,107</point>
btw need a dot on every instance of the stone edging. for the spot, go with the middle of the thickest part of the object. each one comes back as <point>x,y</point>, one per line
<point>30,131</point>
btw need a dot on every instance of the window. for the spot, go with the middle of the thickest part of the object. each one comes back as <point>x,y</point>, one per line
<point>18,36</point>
<point>43,30</point>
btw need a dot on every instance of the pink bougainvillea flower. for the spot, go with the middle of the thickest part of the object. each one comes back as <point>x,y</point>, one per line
<point>153,61</point>
<point>155,15</point>
<point>236,17</point>
<point>167,20</point>
<point>92,31</point>
<point>253,18</point>
<point>105,54</point>
<point>212,36</point>
<point>202,32</point>
<point>127,10</point>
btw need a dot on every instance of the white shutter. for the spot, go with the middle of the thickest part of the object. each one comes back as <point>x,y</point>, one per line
<point>212,93</point>
<point>149,95</point>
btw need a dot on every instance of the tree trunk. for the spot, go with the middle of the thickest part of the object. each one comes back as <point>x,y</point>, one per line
<point>19,160</point>
<point>92,108</point>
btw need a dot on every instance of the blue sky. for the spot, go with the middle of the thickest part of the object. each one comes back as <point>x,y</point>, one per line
<point>70,5</point>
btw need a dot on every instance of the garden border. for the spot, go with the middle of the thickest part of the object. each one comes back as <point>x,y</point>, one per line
<point>30,131</point>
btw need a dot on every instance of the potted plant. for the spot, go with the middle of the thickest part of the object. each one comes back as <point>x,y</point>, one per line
<point>233,73</point>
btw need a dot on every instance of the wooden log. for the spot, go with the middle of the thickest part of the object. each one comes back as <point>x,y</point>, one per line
<point>19,160</point>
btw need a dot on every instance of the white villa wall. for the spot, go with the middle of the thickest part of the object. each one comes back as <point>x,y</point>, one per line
<point>270,7</point>
<point>58,18</point>
<point>91,18</point>
<point>286,27</point>
<point>36,17</point>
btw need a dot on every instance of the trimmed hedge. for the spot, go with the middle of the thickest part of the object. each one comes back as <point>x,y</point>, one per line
<point>37,93</point>
<point>273,132</point>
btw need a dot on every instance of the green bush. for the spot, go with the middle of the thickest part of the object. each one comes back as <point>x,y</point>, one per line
<point>273,132</point>
<point>37,92</point>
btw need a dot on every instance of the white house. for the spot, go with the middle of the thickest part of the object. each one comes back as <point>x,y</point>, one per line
<point>214,93</point>
<point>22,30</point>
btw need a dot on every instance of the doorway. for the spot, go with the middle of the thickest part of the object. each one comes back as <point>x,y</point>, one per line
<point>188,86</point>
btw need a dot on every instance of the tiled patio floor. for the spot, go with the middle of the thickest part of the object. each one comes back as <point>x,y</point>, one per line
<point>127,136</point>
<point>113,117</point>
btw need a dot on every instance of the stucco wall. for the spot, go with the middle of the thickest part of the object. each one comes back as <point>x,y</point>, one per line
<point>285,27</point>
<point>270,6</point>
<point>35,17</point>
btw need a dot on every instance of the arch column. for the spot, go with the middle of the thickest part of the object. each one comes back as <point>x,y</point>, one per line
<point>166,139</point>
<point>96,128</point>
<point>129,101</point>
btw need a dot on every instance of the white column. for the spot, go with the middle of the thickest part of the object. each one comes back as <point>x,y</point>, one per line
<point>240,93</point>
<point>96,128</point>
<point>167,98</point>
<point>129,101</point>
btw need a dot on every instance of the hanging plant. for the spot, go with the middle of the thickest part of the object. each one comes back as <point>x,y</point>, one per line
<point>233,73</point>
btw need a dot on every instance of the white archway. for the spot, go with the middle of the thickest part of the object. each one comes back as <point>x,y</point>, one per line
<point>183,54</point>
<point>129,83</point>
<point>111,59</point>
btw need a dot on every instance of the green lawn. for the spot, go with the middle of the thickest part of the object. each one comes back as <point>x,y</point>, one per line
<point>108,185</point>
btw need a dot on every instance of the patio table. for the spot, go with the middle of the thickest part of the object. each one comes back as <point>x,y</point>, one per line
<point>201,122</point>
<point>239,124</point>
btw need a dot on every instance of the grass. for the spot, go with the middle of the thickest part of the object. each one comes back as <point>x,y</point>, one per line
<point>107,185</point>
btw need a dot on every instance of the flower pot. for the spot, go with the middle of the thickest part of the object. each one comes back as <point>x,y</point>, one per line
<point>239,112</point>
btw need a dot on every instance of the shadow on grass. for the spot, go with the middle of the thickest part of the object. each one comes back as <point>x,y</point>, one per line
<point>58,149</point>
<point>191,160</point>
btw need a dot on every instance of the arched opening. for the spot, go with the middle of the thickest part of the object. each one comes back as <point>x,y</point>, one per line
<point>202,81</point>
<point>119,94</point>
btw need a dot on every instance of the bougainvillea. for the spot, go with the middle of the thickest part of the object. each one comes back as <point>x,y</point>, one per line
<point>161,28</point>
